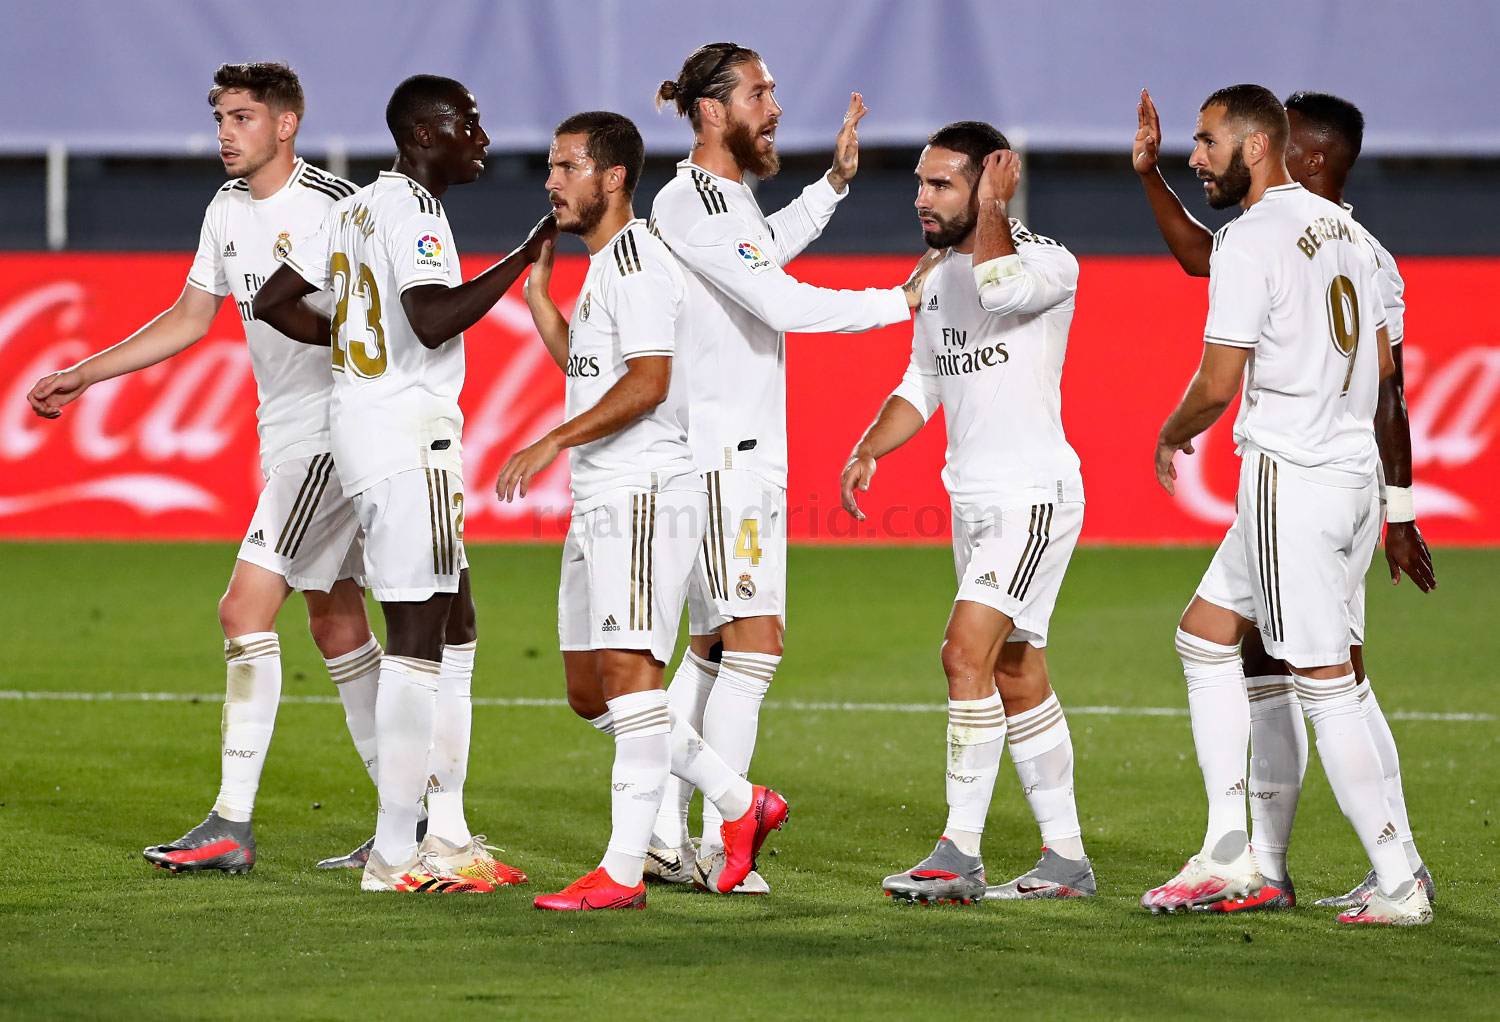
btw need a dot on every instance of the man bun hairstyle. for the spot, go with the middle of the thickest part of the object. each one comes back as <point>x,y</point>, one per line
<point>269,82</point>
<point>419,100</point>
<point>1256,106</point>
<point>974,139</point>
<point>613,141</point>
<point>708,73</point>
<point>1335,117</point>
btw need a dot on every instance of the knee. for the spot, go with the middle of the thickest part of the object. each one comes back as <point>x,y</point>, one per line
<point>588,705</point>
<point>462,627</point>
<point>1021,686</point>
<point>961,661</point>
<point>239,615</point>
<point>336,634</point>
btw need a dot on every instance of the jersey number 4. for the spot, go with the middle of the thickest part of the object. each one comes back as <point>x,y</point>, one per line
<point>362,347</point>
<point>1343,322</point>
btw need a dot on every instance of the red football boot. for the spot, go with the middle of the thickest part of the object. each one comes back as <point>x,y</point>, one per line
<point>593,891</point>
<point>743,837</point>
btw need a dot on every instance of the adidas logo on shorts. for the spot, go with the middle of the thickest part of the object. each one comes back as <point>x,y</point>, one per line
<point>610,624</point>
<point>256,538</point>
<point>988,579</point>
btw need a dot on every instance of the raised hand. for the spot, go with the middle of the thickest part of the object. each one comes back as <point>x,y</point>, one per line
<point>1147,148</point>
<point>846,146</point>
<point>1406,551</point>
<point>55,390</point>
<point>1000,176</point>
<point>539,279</point>
<point>544,231</point>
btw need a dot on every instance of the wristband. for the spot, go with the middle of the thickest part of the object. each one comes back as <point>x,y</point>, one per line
<point>1398,505</point>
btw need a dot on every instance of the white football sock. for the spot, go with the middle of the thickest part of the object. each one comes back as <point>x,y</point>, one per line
<point>1353,768</point>
<point>404,710</point>
<point>251,695</point>
<point>452,722</point>
<point>1278,759</point>
<point>604,723</point>
<point>687,697</point>
<point>1220,714</point>
<point>1390,769</point>
<point>643,760</point>
<point>976,740</point>
<point>1041,747</point>
<point>731,719</point>
<point>356,675</point>
<point>701,767</point>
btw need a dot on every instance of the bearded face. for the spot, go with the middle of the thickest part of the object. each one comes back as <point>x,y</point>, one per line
<point>753,146</point>
<point>1230,187</point>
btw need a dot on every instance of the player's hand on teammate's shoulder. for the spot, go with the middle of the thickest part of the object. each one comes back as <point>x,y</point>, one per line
<point>544,231</point>
<point>914,283</point>
<point>1166,472</point>
<point>540,277</point>
<point>523,467</point>
<point>1000,176</point>
<point>857,474</point>
<point>55,390</point>
<point>1406,551</point>
<point>1147,148</point>
<point>846,146</point>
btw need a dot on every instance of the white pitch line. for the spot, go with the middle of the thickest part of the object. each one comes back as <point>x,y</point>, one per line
<point>16,695</point>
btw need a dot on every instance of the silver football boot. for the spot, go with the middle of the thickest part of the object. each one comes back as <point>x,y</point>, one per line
<point>1361,892</point>
<point>945,875</point>
<point>1052,877</point>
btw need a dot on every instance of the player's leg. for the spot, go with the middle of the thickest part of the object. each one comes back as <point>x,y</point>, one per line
<point>411,524</point>
<point>1041,746</point>
<point>1278,760</point>
<point>745,545</point>
<point>453,722</point>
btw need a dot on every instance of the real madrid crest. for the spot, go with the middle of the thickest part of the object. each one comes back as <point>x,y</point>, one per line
<point>283,246</point>
<point>583,310</point>
<point>745,588</point>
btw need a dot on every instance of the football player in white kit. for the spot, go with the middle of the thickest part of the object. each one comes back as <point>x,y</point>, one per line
<point>740,301</point>
<point>302,533</point>
<point>988,347</point>
<point>639,510</point>
<point>1327,133</point>
<point>1294,298</point>
<point>398,365</point>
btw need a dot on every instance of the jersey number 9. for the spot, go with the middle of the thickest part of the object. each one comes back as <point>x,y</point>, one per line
<point>1343,322</point>
<point>363,348</point>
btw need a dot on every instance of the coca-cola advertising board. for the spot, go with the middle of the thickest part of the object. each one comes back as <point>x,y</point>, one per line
<point>170,452</point>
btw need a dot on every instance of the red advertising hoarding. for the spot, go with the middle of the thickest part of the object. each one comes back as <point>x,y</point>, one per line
<point>171,452</point>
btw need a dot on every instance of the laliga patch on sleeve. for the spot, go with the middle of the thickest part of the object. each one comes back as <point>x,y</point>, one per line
<point>754,259</point>
<point>429,254</point>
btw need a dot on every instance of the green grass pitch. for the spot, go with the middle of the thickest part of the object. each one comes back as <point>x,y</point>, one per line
<point>88,930</point>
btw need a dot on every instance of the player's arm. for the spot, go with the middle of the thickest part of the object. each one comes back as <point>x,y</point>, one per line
<point>279,305</point>
<point>642,388</point>
<point>901,417</point>
<point>1405,549</point>
<point>178,328</point>
<point>1189,241</point>
<point>1009,282</point>
<point>439,313</point>
<point>799,223</point>
<point>550,324</point>
<point>1213,387</point>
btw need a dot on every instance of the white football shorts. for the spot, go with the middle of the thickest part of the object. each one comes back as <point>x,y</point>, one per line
<point>625,567</point>
<point>413,526</point>
<point>1014,561</point>
<point>741,568</point>
<point>304,528</point>
<point>1294,561</point>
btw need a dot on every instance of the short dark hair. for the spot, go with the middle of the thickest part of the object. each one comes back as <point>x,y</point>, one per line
<point>613,141</point>
<point>975,139</point>
<point>419,99</point>
<point>708,73</point>
<point>1333,115</point>
<point>1256,105</point>
<point>271,83</point>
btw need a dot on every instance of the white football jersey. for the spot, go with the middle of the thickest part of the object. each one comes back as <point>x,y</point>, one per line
<point>242,243</point>
<point>630,306</point>
<point>1294,279</point>
<point>740,302</point>
<point>395,403</point>
<point>1392,287</point>
<point>990,353</point>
